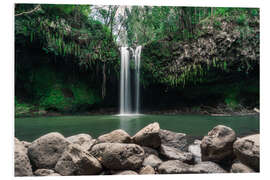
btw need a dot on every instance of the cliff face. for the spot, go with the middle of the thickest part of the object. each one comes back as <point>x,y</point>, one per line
<point>227,41</point>
<point>227,45</point>
<point>219,65</point>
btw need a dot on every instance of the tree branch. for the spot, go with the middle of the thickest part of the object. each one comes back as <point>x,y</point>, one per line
<point>37,8</point>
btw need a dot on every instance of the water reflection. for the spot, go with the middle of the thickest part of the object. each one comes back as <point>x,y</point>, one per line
<point>130,123</point>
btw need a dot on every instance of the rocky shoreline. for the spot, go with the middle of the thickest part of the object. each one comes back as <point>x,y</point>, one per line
<point>150,151</point>
<point>220,110</point>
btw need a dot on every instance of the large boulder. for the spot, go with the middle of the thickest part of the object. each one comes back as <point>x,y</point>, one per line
<point>195,150</point>
<point>116,136</point>
<point>247,151</point>
<point>45,172</point>
<point>76,161</point>
<point>174,167</point>
<point>218,144</point>
<point>207,167</point>
<point>119,156</point>
<point>173,139</point>
<point>148,136</point>
<point>176,154</point>
<point>84,140</point>
<point>152,160</point>
<point>147,170</point>
<point>22,162</point>
<point>45,151</point>
<point>238,167</point>
<point>148,151</point>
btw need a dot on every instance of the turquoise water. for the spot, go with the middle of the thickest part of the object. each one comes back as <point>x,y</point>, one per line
<point>31,128</point>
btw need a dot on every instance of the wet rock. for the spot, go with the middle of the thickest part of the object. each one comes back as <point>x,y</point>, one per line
<point>45,172</point>
<point>174,167</point>
<point>148,136</point>
<point>45,151</point>
<point>21,160</point>
<point>119,156</point>
<point>247,151</point>
<point>173,139</point>
<point>218,144</point>
<point>175,154</point>
<point>195,150</point>
<point>152,160</point>
<point>148,151</point>
<point>207,167</point>
<point>241,168</point>
<point>116,136</point>
<point>127,172</point>
<point>84,140</point>
<point>147,170</point>
<point>76,161</point>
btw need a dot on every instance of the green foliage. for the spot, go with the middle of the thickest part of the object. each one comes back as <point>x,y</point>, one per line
<point>217,25</point>
<point>62,35</point>
<point>84,95</point>
<point>22,108</point>
<point>56,100</point>
<point>231,98</point>
<point>255,12</point>
<point>241,20</point>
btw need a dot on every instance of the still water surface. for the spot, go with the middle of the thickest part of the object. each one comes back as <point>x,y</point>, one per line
<point>29,129</point>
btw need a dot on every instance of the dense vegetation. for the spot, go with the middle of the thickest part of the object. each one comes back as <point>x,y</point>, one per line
<point>67,57</point>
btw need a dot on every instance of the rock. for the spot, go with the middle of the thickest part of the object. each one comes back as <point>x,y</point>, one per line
<point>116,136</point>
<point>46,172</point>
<point>173,139</point>
<point>148,151</point>
<point>127,172</point>
<point>195,150</point>
<point>26,144</point>
<point>175,154</point>
<point>77,161</point>
<point>178,167</point>
<point>152,160</point>
<point>173,167</point>
<point>21,160</point>
<point>241,168</point>
<point>84,140</point>
<point>218,144</point>
<point>45,151</point>
<point>119,156</point>
<point>207,167</point>
<point>147,170</point>
<point>148,136</point>
<point>247,151</point>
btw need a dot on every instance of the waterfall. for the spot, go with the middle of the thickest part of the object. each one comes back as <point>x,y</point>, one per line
<point>137,78</point>
<point>125,82</point>
<point>125,89</point>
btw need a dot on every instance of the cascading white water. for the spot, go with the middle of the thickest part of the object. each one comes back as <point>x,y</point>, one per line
<point>125,82</point>
<point>125,90</point>
<point>137,78</point>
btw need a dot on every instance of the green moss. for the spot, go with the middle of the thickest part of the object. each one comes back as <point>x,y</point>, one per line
<point>84,95</point>
<point>56,100</point>
<point>22,108</point>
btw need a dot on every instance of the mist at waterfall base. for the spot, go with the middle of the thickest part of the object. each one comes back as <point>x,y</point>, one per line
<point>130,97</point>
